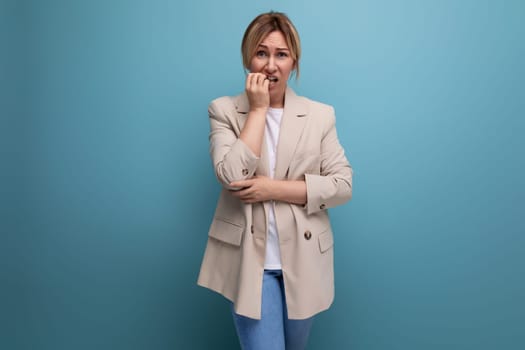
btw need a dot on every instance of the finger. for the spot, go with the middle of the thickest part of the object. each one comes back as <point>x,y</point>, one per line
<point>245,197</point>
<point>261,79</point>
<point>242,192</point>
<point>242,183</point>
<point>250,81</point>
<point>254,77</point>
<point>266,84</point>
<point>235,193</point>
<point>251,200</point>
<point>247,83</point>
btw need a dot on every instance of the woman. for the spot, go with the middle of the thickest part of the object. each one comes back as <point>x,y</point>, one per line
<point>281,166</point>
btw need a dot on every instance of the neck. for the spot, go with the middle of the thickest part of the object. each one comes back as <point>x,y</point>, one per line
<point>277,102</point>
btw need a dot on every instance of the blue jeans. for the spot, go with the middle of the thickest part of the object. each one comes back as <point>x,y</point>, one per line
<point>274,331</point>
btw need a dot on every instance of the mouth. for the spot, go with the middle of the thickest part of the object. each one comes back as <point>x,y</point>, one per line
<point>272,79</point>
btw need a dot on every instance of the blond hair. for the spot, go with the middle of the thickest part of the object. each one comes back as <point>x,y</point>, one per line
<point>260,27</point>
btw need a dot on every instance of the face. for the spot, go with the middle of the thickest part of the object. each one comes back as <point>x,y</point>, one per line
<point>273,59</point>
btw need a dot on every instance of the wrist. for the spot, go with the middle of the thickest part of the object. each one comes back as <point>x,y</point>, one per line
<point>276,191</point>
<point>259,110</point>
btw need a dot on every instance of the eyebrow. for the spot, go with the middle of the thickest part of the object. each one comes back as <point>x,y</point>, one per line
<point>279,48</point>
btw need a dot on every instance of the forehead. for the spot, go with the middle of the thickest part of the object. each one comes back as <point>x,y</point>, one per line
<point>275,39</point>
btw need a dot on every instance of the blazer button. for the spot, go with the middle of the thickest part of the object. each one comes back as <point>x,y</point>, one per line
<point>307,234</point>
<point>245,172</point>
<point>251,229</point>
<point>322,206</point>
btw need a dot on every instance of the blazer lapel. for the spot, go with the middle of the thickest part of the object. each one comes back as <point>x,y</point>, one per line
<point>242,106</point>
<point>292,126</point>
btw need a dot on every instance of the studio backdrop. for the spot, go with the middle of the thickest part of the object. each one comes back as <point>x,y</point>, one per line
<point>107,189</point>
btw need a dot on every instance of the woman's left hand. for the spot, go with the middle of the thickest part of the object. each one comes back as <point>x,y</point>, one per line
<point>256,189</point>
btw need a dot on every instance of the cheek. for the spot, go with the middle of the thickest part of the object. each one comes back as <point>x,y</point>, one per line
<point>287,68</point>
<point>255,66</point>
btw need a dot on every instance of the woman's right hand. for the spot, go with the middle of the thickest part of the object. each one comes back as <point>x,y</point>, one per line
<point>257,89</point>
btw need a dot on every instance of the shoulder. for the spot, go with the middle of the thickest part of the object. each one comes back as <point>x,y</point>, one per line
<point>221,103</point>
<point>316,106</point>
<point>237,103</point>
<point>224,107</point>
<point>320,112</point>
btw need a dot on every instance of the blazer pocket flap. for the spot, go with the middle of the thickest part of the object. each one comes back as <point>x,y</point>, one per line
<point>326,240</point>
<point>226,231</point>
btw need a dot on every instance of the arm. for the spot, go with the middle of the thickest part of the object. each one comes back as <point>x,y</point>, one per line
<point>252,133</point>
<point>290,191</point>
<point>334,184</point>
<point>259,97</point>
<point>236,157</point>
<point>262,188</point>
<point>232,159</point>
<point>332,187</point>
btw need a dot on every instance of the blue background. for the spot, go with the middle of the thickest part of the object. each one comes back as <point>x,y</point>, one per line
<point>107,190</point>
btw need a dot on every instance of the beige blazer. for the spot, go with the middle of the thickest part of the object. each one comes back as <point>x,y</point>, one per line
<point>308,149</point>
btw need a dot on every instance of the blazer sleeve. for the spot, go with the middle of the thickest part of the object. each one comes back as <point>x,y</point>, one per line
<point>232,159</point>
<point>334,184</point>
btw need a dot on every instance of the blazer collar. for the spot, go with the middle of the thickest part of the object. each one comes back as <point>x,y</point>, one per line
<point>292,125</point>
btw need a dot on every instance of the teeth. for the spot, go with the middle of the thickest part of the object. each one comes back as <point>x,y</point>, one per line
<point>272,79</point>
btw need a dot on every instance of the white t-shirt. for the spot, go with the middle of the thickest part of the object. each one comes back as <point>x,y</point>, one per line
<point>273,123</point>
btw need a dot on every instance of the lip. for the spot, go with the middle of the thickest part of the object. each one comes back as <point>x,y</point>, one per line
<point>272,79</point>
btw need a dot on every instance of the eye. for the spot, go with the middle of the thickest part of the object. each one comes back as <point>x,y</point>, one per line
<point>260,53</point>
<point>282,54</point>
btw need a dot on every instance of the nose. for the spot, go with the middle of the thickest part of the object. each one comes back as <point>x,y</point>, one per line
<point>271,66</point>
